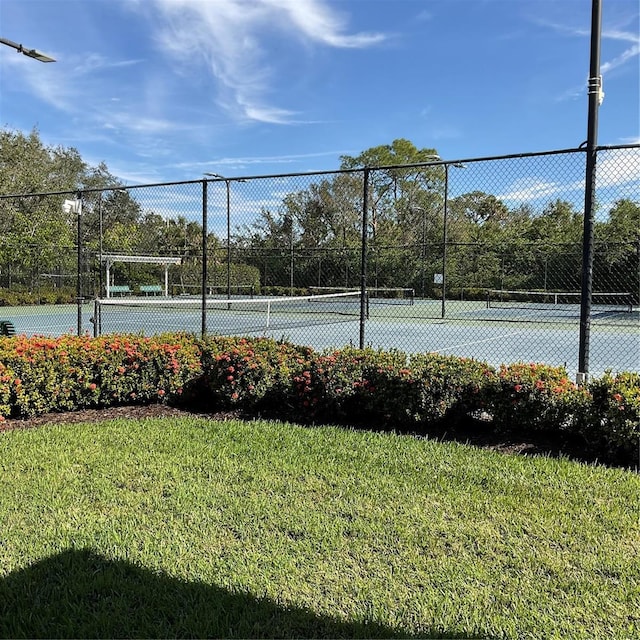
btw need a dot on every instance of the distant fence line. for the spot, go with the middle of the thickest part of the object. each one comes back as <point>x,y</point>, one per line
<point>458,235</point>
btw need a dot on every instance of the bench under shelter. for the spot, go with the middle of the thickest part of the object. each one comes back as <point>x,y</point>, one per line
<point>109,259</point>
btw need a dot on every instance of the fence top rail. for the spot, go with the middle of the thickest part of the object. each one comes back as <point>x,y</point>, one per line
<point>203,181</point>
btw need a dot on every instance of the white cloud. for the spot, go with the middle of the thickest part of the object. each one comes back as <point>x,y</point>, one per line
<point>272,115</point>
<point>231,38</point>
<point>618,61</point>
<point>605,67</point>
<point>618,167</point>
<point>530,189</point>
<point>245,161</point>
<point>617,170</point>
<point>322,24</point>
<point>94,62</point>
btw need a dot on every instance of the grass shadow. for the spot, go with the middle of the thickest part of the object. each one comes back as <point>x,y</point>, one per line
<point>79,593</point>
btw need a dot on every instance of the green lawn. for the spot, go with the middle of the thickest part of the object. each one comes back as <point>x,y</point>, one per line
<point>233,529</point>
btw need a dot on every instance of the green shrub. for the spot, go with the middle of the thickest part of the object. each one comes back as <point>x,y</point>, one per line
<point>451,387</point>
<point>22,297</point>
<point>7,381</point>
<point>69,372</point>
<point>143,370</point>
<point>387,391</point>
<point>385,388</point>
<point>247,372</point>
<point>389,387</point>
<point>332,385</point>
<point>533,398</point>
<point>610,421</point>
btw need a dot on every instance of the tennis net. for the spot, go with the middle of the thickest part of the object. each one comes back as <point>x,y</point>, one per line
<point>559,301</point>
<point>214,290</point>
<point>225,316</point>
<point>375,295</point>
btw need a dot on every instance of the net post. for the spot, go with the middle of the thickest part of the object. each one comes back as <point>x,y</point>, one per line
<point>96,319</point>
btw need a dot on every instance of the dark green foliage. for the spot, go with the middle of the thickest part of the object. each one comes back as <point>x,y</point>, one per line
<point>384,389</point>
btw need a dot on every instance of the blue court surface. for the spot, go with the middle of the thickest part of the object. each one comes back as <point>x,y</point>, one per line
<point>469,330</point>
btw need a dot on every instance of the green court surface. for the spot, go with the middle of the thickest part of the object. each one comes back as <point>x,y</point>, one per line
<point>469,329</point>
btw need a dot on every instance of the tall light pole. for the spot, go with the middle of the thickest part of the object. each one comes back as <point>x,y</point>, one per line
<point>292,265</point>
<point>435,158</point>
<point>101,282</point>
<point>227,182</point>
<point>423,244</point>
<point>75,206</point>
<point>596,95</point>
<point>457,165</point>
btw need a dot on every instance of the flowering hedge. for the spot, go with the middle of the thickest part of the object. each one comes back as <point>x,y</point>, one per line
<point>534,398</point>
<point>241,372</point>
<point>388,388</point>
<point>610,418</point>
<point>42,374</point>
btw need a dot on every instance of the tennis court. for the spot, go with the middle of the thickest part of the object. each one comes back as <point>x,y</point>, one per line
<point>470,329</point>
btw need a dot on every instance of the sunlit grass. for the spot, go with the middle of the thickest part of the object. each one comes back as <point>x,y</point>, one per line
<point>365,534</point>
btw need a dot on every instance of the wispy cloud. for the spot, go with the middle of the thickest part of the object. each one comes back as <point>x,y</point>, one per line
<point>321,24</point>
<point>231,37</point>
<point>94,63</point>
<point>246,161</point>
<point>619,168</point>
<point>617,171</point>
<point>613,34</point>
<point>532,189</point>
<point>624,57</point>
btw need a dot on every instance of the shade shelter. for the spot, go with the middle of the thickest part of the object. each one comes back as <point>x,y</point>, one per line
<point>166,261</point>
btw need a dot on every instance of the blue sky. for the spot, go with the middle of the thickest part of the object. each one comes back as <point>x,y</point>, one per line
<point>164,90</point>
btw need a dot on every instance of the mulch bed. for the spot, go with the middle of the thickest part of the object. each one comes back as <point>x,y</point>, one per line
<point>108,413</point>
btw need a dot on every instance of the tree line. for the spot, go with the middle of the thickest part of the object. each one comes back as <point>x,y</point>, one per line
<point>312,237</point>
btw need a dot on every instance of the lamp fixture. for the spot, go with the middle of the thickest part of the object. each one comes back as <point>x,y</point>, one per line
<point>31,53</point>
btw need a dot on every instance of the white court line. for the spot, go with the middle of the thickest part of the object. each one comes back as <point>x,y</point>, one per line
<point>467,344</point>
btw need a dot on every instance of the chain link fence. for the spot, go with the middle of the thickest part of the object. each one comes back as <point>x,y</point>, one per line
<point>480,258</point>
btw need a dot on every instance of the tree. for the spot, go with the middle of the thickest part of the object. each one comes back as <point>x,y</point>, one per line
<point>557,236</point>
<point>36,236</point>
<point>617,251</point>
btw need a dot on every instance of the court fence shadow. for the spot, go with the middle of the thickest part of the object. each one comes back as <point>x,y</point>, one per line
<point>82,594</point>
